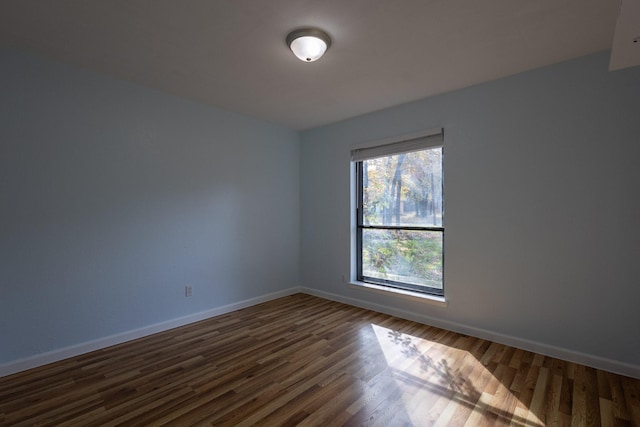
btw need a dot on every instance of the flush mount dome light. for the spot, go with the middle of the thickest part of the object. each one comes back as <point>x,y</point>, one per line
<point>308,44</point>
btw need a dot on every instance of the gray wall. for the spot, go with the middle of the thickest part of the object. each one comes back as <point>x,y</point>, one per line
<point>542,206</point>
<point>113,197</point>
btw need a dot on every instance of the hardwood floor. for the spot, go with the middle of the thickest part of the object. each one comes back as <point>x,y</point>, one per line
<point>309,361</point>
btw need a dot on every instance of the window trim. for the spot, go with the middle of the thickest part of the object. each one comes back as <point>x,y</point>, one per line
<point>399,293</point>
<point>414,142</point>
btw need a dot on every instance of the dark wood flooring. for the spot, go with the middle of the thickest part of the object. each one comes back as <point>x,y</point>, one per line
<point>303,360</point>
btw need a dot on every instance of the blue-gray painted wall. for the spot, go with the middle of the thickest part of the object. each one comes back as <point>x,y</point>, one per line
<point>113,197</point>
<point>542,205</point>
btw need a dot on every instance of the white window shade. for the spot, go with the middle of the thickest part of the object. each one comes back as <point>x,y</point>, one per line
<point>406,146</point>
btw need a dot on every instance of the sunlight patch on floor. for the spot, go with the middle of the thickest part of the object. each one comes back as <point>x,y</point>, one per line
<point>440,382</point>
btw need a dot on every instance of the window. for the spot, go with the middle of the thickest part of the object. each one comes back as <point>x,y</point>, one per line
<point>399,215</point>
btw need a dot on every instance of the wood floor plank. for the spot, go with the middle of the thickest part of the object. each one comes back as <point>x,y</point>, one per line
<point>303,360</point>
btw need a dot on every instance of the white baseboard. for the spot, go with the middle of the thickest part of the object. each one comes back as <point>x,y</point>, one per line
<point>547,350</point>
<point>100,343</point>
<point>602,363</point>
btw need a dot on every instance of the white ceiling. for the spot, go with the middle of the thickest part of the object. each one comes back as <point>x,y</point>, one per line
<point>625,51</point>
<point>232,54</point>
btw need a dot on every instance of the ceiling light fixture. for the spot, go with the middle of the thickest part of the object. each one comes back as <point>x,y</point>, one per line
<point>308,44</point>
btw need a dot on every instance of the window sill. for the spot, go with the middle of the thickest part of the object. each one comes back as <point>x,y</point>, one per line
<point>401,293</point>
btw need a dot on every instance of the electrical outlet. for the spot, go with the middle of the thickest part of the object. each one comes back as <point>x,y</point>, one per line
<point>187,291</point>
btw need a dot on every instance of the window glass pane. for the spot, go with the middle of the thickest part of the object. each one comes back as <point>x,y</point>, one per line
<point>403,189</point>
<point>409,256</point>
